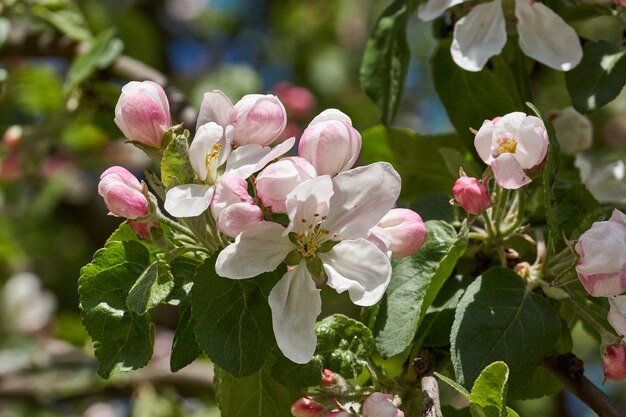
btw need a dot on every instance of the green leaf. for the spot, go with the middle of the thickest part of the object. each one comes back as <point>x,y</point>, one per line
<point>103,49</point>
<point>233,322</point>
<point>386,60</point>
<point>68,21</point>
<point>122,340</point>
<point>295,375</point>
<point>5,29</point>
<point>175,166</point>
<point>488,396</point>
<point>185,349</point>
<point>469,97</point>
<point>343,344</point>
<point>599,77</point>
<point>257,395</point>
<point>183,270</point>
<point>458,387</point>
<point>152,287</point>
<point>415,282</point>
<point>498,319</point>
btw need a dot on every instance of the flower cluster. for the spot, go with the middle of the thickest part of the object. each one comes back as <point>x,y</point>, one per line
<point>342,226</point>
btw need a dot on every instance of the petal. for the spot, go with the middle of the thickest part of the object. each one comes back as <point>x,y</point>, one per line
<point>295,304</point>
<point>618,217</point>
<point>237,217</point>
<point>308,203</point>
<point>216,107</point>
<point>248,159</point>
<point>479,36</point>
<point>359,267</point>
<point>207,137</point>
<point>544,36</point>
<point>432,9</point>
<point>532,142</point>
<point>188,200</point>
<point>362,197</point>
<point>484,141</point>
<point>331,114</point>
<point>617,314</point>
<point>258,249</point>
<point>508,172</point>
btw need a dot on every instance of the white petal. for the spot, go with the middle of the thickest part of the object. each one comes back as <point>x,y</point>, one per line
<point>483,141</point>
<point>508,172</point>
<point>544,36</point>
<point>617,314</point>
<point>359,267</point>
<point>432,9</point>
<point>206,137</point>
<point>479,36</point>
<point>532,142</point>
<point>258,249</point>
<point>295,304</point>
<point>188,200</point>
<point>216,107</point>
<point>332,114</point>
<point>308,203</point>
<point>248,159</point>
<point>362,197</point>
<point>618,217</point>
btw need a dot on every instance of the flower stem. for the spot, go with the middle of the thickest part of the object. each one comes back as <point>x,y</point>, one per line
<point>519,215</point>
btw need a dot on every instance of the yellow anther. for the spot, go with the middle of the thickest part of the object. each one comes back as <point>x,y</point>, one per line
<point>507,145</point>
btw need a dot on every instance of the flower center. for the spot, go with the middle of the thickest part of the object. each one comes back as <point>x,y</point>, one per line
<point>310,241</point>
<point>211,163</point>
<point>506,145</point>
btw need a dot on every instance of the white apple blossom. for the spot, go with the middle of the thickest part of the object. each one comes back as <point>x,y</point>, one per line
<point>543,34</point>
<point>330,220</point>
<point>211,154</point>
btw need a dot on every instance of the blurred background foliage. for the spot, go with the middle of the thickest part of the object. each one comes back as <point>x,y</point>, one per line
<point>56,115</point>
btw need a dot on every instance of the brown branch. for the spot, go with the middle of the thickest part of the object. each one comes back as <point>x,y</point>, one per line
<point>431,406</point>
<point>23,45</point>
<point>569,370</point>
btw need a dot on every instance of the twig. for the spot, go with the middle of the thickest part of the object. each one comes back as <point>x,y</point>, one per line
<point>569,370</point>
<point>431,406</point>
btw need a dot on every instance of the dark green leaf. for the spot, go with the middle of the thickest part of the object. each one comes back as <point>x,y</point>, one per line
<point>152,287</point>
<point>498,319</point>
<point>257,395</point>
<point>599,77</point>
<point>175,166</point>
<point>122,340</point>
<point>183,270</point>
<point>294,375</point>
<point>386,60</point>
<point>185,349</point>
<point>101,52</point>
<point>343,344</point>
<point>233,322</point>
<point>469,97</point>
<point>488,396</point>
<point>415,282</point>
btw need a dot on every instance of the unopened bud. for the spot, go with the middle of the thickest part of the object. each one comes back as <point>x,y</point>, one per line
<point>123,193</point>
<point>307,407</point>
<point>471,194</point>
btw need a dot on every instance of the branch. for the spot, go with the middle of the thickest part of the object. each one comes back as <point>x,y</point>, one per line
<point>569,370</point>
<point>23,45</point>
<point>431,406</point>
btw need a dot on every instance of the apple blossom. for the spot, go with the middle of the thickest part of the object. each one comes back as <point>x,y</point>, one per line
<point>617,314</point>
<point>543,34</point>
<point>307,407</point>
<point>602,264</point>
<point>614,362</point>
<point>573,131</point>
<point>406,230</point>
<point>278,179</point>
<point>123,193</point>
<point>378,404</point>
<point>210,156</point>
<point>232,206</point>
<point>329,221</point>
<point>606,181</point>
<point>511,144</point>
<point>142,112</point>
<point>330,143</point>
<point>472,194</point>
<point>329,378</point>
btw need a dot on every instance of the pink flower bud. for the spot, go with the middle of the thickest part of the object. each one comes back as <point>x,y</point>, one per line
<point>306,407</point>
<point>329,378</point>
<point>614,362</point>
<point>12,138</point>
<point>260,120</point>
<point>298,101</point>
<point>122,193</point>
<point>406,229</point>
<point>232,206</point>
<point>143,228</point>
<point>142,112</point>
<point>380,405</point>
<point>471,194</point>
<point>330,143</point>
<point>279,179</point>
<point>11,167</point>
<point>602,264</point>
